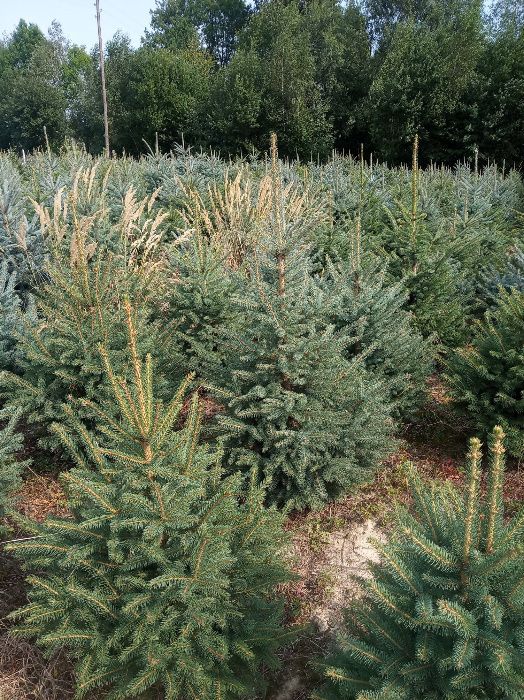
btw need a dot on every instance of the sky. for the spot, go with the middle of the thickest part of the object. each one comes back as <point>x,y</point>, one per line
<point>77,17</point>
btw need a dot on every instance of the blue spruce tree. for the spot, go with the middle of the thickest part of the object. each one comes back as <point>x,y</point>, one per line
<point>11,443</point>
<point>311,421</point>
<point>487,376</point>
<point>442,617</point>
<point>372,312</point>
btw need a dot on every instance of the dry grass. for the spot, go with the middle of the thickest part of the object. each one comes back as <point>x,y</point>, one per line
<point>26,675</point>
<point>41,495</point>
<point>233,214</point>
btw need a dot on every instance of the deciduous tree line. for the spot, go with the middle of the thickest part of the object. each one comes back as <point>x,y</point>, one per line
<point>322,74</point>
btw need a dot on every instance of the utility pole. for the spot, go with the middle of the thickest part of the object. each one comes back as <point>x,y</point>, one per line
<point>103,77</point>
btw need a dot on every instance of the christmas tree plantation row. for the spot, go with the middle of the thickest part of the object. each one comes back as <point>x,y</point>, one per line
<point>200,345</point>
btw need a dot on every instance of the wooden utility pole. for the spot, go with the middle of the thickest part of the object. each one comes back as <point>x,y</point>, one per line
<point>103,77</point>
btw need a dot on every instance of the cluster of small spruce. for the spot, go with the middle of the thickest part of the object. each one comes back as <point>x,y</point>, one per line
<point>295,313</point>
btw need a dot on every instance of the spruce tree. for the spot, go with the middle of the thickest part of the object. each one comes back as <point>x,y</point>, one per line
<point>79,307</point>
<point>509,276</point>
<point>442,617</point>
<point>373,313</point>
<point>9,317</point>
<point>487,376</point>
<point>11,443</point>
<point>312,422</point>
<point>162,577</point>
<point>22,243</point>
<point>197,303</point>
<point>425,258</point>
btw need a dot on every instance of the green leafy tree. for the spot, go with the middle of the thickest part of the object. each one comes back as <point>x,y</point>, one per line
<point>173,25</point>
<point>443,614</point>
<point>32,93</point>
<point>341,47</point>
<point>119,54</point>
<point>487,376</point>
<point>270,86</point>
<point>507,14</point>
<point>383,15</point>
<point>157,92</point>
<point>81,81</point>
<point>176,23</point>
<point>423,78</point>
<point>236,103</point>
<point>22,44</point>
<point>502,86</point>
<point>163,575</point>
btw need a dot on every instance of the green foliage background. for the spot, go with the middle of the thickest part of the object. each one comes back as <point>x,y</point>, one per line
<point>322,74</point>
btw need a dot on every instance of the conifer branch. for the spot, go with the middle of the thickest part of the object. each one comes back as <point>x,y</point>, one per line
<point>474,458</point>
<point>494,497</point>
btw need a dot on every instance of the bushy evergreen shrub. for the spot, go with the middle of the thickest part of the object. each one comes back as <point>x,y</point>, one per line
<point>487,377</point>
<point>163,575</point>
<point>443,615</point>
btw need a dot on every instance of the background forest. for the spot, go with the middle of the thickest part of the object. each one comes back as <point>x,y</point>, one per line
<point>321,74</point>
